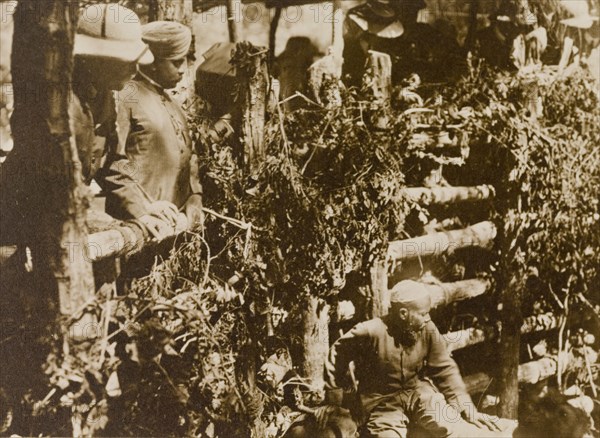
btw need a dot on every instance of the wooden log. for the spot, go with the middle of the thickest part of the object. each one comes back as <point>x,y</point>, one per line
<point>472,336</point>
<point>250,64</point>
<point>527,373</point>
<point>464,338</point>
<point>446,293</point>
<point>449,195</point>
<point>481,234</point>
<point>536,323</point>
<point>124,240</point>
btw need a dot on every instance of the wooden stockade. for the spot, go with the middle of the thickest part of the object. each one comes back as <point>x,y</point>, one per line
<point>73,281</point>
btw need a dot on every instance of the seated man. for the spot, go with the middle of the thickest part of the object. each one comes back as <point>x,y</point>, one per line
<point>390,355</point>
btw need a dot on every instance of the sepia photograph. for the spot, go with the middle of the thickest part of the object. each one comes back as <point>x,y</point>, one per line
<point>300,218</point>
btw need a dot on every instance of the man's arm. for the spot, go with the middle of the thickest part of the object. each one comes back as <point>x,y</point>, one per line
<point>118,177</point>
<point>342,352</point>
<point>445,372</point>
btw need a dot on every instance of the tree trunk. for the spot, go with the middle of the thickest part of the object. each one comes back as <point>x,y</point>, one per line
<point>48,183</point>
<point>315,340</point>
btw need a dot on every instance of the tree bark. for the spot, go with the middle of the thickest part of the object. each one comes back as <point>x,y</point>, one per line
<point>48,182</point>
<point>481,234</point>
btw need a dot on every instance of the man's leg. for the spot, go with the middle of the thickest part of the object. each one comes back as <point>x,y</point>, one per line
<point>430,411</point>
<point>387,419</point>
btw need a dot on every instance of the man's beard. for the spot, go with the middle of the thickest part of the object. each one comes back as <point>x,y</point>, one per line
<point>404,335</point>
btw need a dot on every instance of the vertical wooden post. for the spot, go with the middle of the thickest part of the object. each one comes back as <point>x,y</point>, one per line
<point>315,340</point>
<point>379,289</point>
<point>232,23</point>
<point>273,31</point>
<point>337,35</point>
<point>323,81</point>
<point>46,171</point>
<point>379,81</point>
<point>510,343</point>
<point>249,117</point>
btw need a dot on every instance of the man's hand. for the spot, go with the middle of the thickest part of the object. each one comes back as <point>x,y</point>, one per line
<point>164,210</point>
<point>193,211</point>
<point>157,227</point>
<point>323,415</point>
<point>475,417</point>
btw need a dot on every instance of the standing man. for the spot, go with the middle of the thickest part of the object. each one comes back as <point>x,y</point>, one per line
<point>153,134</point>
<point>391,354</point>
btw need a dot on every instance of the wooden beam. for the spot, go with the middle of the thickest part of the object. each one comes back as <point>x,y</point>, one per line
<point>449,195</point>
<point>481,234</point>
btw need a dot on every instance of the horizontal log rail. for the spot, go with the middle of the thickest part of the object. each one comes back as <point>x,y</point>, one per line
<point>472,336</point>
<point>481,234</point>
<point>529,372</point>
<point>448,195</point>
<point>443,294</point>
<point>124,240</point>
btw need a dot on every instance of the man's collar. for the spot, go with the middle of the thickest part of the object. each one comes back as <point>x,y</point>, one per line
<point>151,81</point>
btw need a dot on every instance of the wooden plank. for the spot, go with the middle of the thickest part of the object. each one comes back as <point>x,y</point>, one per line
<point>449,195</point>
<point>481,234</point>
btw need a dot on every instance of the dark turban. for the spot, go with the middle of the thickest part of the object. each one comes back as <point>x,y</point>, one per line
<point>167,39</point>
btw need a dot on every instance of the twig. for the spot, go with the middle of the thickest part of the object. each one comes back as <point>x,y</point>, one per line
<point>238,223</point>
<point>589,370</point>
